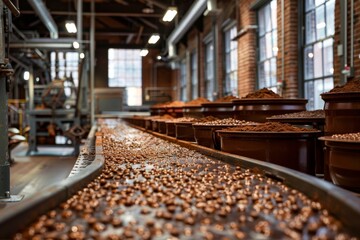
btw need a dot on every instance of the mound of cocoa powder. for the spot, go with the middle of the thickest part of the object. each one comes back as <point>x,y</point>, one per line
<point>263,93</point>
<point>351,86</point>
<point>197,102</point>
<point>225,99</point>
<point>270,127</point>
<point>175,104</point>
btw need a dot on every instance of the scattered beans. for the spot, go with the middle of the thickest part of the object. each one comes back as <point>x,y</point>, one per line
<point>263,93</point>
<point>347,136</point>
<point>304,114</point>
<point>350,86</point>
<point>270,127</point>
<point>150,188</point>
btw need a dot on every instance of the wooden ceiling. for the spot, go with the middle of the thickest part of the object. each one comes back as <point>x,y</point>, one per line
<point>118,23</point>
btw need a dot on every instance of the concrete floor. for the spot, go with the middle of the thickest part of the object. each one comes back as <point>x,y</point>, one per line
<point>31,174</point>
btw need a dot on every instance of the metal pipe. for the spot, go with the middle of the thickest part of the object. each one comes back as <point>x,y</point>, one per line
<point>102,14</point>
<point>45,17</point>
<point>79,23</point>
<point>196,9</point>
<point>13,9</point>
<point>282,43</point>
<point>4,157</point>
<point>352,35</point>
<point>92,64</point>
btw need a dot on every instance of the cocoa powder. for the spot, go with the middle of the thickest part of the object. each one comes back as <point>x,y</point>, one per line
<point>263,93</point>
<point>351,86</point>
<point>226,99</point>
<point>197,102</point>
<point>270,127</point>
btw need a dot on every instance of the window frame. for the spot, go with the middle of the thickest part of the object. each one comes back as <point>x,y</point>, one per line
<point>209,82</point>
<point>273,85</point>
<point>313,99</point>
<point>131,66</point>
<point>232,26</point>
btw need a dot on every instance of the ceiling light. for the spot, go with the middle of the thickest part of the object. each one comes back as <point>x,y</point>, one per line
<point>170,14</point>
<point>158,57</point>
<point>76,45</point>
<point>144,52</point>
<point>26,75</point>
<point>154,38</point>
<point>82,55</point>
<point>70,26</point>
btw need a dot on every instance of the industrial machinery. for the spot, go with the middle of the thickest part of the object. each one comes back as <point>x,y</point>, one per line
<point>56,114</point>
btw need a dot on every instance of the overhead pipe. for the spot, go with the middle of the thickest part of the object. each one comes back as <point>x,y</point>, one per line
<point>43,13</point>
<point>196,10</point>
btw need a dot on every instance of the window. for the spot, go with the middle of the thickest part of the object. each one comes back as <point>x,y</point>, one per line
<point>231,63</point>
<point>68,63</point>
<point>209,70</point>
<point>183,95</point>
<point>267,46</point>
<point>194,76</point>
<point>124,69</point>
<point>318,50</point>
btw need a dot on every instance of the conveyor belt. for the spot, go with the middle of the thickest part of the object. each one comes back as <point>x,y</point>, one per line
<point>151,188</point>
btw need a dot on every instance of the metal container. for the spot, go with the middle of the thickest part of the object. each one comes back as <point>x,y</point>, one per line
<point>170,129</point>
<point>205,135</point>
<point>343,159</point>
<point>219,110</point>
<point>193,111</point>
<point>184,131</point>
<point>295,150</point>
<point>258,110</point>
<point>342,112</point>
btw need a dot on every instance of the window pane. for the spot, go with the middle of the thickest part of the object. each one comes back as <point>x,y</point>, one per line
<point>267,18</point>
<point>319,2</point>
<point>310,4</point>
<point>310,27</point>
<point>309,62</point>
<point>124,70</point>
<point>268,47</point>
<point>330,18</point>
<point>320,22</point>
<point>261,21</point>
<point>262,47</point>
<point>318,60</point>
<point>318,89</point>
<point>309,94</point>
<point>328,57</point>
<point>273,14</point>
<point>230,84</point>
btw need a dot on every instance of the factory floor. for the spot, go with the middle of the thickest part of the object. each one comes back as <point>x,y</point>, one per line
<point>29,175</point>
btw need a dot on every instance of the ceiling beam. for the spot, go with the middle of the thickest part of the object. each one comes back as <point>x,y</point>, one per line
<point>129,38</point>
<point>102,14</point>
<point>150,24</point>
<point>141,29</point>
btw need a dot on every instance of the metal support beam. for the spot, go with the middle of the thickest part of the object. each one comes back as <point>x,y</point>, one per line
<point>4,142</point>
<point>92,62</point>
<point>44,15</point>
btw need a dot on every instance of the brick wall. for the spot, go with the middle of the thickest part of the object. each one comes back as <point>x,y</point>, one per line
<point>247,45</point>
<point>337,41</point>
<point>246,49</point>
<point>290,65</point>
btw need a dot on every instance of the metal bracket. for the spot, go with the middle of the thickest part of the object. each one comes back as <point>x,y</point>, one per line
<point>6,68</point>
<point>12,198</point>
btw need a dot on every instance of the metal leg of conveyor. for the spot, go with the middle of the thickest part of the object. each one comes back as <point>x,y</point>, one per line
<point>5,71</point>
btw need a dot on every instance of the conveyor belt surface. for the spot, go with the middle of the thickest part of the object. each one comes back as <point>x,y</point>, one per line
<point>154,189</point>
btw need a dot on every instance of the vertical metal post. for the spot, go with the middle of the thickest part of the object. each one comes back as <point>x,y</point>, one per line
<point>215,33</point>
<point>92,65</point>
<point>4,154</point>
<point>4,158</point>
<point>343,38</point>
